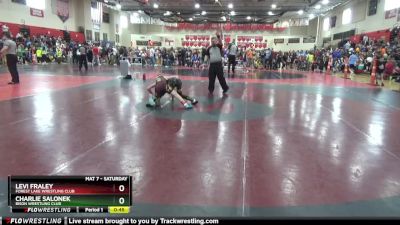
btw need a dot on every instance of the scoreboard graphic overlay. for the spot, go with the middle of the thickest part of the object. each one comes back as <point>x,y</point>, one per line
<point>70,194</point>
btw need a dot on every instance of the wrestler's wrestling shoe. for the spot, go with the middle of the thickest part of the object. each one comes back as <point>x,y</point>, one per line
<point>188,105</point>
<point>151,102</point>
<point>194,102</point>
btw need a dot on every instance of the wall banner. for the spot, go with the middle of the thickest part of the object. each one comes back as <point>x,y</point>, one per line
<point>37,12</point>
<point>62,9</point>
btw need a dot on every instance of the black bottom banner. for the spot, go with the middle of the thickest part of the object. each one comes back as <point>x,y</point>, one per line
<point>167,221</point>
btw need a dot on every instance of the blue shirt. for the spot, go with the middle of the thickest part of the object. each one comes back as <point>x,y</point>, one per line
<point>267,54</point>
<point>353,59</point>
<point>337,54</point>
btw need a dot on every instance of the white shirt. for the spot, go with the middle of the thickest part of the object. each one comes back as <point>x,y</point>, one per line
<point>347,45</point>
<point>124,67</point>
<point>233,50</point>
<point>151,52</point>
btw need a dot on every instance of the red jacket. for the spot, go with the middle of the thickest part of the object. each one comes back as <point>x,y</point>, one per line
<point>389,68</point>
<point>95,51</point>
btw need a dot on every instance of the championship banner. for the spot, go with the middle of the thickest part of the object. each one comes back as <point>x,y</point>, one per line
<point>294,40</point>
<point>279,40</point>
<point>37,12</point>
<point>309,40</point>
<point>96,11</point>
<point>390,13</point>
<point>148,43</point>
<point>225,27</point>
<point>62,9</point>
<point>398,15</point>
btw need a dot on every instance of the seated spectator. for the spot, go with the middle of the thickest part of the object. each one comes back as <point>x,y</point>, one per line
<point>389,69</point>
<point>396,74</point>
<point>195,60</point>
<point>368,65</point>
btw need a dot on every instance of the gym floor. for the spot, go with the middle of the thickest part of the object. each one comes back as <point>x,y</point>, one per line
<point>278,145</point>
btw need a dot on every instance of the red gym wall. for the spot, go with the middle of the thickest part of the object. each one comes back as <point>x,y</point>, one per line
<point>15,28</point>
<point>376,35</point>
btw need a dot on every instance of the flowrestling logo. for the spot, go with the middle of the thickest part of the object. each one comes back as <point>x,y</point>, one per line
<point>34,220</point>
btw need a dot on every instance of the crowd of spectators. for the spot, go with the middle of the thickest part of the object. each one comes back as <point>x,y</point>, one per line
<point>359,57</point>
<point>45,49</point>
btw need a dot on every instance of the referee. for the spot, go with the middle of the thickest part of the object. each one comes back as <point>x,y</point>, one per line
<point>232,57</point>
<point>10,50</point>
<point>214,57</point>
<point>83,57</point>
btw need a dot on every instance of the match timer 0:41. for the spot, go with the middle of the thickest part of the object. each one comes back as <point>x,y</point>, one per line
<point>70,194</point>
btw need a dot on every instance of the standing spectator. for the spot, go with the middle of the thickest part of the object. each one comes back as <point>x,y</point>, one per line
<point>75,55</point>
<point>28,56</point>
<point>182,58</point>
<point>70,56</point>
<point>90,56</point>
<point>275,55</point>
<point>39,55</point>
<point>21,54</point>
<point>115,56</point>
<point>144,56</point>
<point>294,56</point>
<point>152,57</point>
<point>284,60</point>
<point>2,60</point>
<point>124,68</point>
<point>268,59</point>
<point>249,57</point>
<point>10,50</point>
<point>380,70</point>
<point>310,61</point>
<point>171,57</point>
<point>347,46</point>
<point>164,57</point>
<point>353,63</point>
<point>44,55</point>
<point>369,61</point>
<point>232,52</point>
<point>279,60</point>
<point>83,58</point>
<point>59,55</point>
<point>34,56</point>
<point>189,58</point>
<point>96,55</point>
<point>158,57</point>
<point>262,57</point>
<point>214,56</point>
<point>203,54</point>
<point>179,55</point>
<point>365,40</point>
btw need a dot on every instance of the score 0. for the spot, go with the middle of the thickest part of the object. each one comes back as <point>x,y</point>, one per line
<point>122,201</point>
<point>121,189</point>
